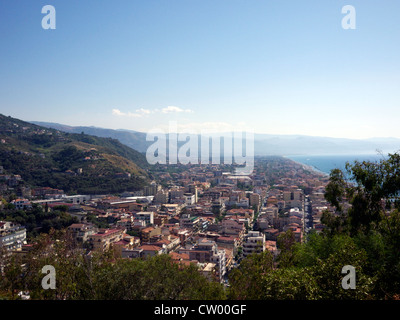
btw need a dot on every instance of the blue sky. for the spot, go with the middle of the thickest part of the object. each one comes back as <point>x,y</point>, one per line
<point>279,67</point>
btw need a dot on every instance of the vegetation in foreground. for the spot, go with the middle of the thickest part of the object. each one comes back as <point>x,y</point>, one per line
<point>364,234</point>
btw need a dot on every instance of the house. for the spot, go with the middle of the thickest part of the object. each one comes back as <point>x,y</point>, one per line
<point>245,213</point>
<point>271,247</point>
<point>81,231</point>
<point>271,234</point>
<point>105,238</point>
<point>207,251</point>
<point>150,250</point>
<point>169,243</point>
<point>150,233</point>
<point>179,257</point>
<point>233,227</point>
<point>131,253</point>
<point>126,245</point>
<point>228,242</point>
<point>21,204</point>
<point>12,236</point>
<point>160,219</point>
<point>126,223</point>
<point>189,222</point>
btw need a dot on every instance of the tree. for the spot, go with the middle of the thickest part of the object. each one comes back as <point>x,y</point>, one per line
<point>371,217</point>
<point>328,275</point>
<point>246,281</point>
<point>373,188</point>
<point>285,243</point>
<point>388,262</point>
<point>104,275</point>
<point>289,284</point>
<point>62,208</point>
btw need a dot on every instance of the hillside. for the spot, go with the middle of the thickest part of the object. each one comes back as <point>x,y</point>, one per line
<point>76,163</point>
<point>133,139</point>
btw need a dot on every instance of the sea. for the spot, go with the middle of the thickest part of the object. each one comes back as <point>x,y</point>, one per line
<point>325,163</point>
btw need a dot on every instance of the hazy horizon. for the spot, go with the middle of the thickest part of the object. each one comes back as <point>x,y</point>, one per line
<point>258,133</point>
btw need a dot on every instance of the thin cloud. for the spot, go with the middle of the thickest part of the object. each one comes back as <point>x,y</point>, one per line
<point>144,111</point>
<point>174,109</point>
<point>117,112</point>
<point>139,113</point>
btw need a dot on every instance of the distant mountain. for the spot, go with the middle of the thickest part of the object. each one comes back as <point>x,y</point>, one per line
<point>264,144</point>
<point>76,163</point>
<point>308,145</point>
<point>133,139</point>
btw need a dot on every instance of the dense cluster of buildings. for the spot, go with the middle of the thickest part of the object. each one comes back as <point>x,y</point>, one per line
<point>204,216</point>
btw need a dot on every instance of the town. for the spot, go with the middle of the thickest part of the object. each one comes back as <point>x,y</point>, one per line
<point>197,214</point>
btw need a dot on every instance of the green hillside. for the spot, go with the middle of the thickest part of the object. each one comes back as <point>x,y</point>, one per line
<point>76,163</point>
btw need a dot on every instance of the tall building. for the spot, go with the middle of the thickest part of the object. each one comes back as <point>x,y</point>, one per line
<point>161,197</point>
<point>176,193</point>
<point>187,221</point>
<point>287,196</point>
<point>255,200</point>
<point>253,242</point>
<point>190,199</point>
<point>105,238</point>
<point>293,198</point>
<point>207,251</point>
<point>12,236</point>
<point>147,216</point>
<point>152,189</point>
<point>194,190</point>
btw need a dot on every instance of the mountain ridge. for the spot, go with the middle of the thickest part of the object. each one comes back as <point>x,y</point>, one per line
<point>264,144</point>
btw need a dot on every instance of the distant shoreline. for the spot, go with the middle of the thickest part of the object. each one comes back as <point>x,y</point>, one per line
<point>325,163</point>
<point>309,167</point>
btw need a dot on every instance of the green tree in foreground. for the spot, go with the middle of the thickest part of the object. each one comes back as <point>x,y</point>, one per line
<point>246,281</point>
<point>315,272</point>
<point>103,275</point>
<point>367,209</point>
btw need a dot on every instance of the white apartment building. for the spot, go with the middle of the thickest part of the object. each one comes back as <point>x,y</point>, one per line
<point>21,204</point>
<point>253,242</point>
<point>12,236</point>
<point>190,199</point>
<point>147,216</point>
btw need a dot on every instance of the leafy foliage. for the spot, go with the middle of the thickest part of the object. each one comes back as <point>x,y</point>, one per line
<point>36,220</point>
<point>104,276</point>
<point>246,281</point>
<point>372,217</point>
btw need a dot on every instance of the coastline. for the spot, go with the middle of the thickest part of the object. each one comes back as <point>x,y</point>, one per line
<point>329,162</point>
<point>308,167</point>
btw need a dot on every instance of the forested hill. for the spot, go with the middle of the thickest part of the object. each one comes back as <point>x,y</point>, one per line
<point>76,163</point>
